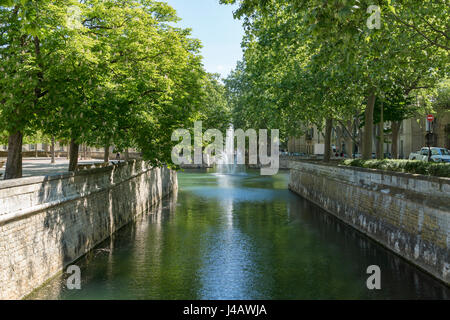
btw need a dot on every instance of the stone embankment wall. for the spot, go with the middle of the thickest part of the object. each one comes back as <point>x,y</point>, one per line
<point>409,214</point>
<point>46,223</point>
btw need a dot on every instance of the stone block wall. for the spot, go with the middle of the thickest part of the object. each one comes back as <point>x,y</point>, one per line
<point>48,222</point>
<point>407,213</point>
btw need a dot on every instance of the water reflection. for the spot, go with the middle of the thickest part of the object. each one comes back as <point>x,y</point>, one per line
<point>226,264</point>
<point>240,237</point>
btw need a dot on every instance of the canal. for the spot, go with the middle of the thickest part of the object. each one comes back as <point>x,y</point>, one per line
<point>240,236</point>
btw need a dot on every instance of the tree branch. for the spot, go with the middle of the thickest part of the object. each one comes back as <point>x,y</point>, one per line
<point>434,29</point>
<point>420,32</point>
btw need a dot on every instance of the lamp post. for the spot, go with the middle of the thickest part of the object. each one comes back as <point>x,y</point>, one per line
<point>429,135</point>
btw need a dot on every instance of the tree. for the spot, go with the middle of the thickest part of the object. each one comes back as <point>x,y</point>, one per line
<point>123,77</point>
<point>101,72</point>
<point>287,84</point>
<point>364,61</point>
<point>215,111</point>
<point>396,107</point>
<point>24,24</point>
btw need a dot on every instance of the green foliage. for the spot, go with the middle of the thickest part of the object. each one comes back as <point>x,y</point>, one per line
<point>4,137</point>
<point>21,86</point>
<point>407,166</point>
<point>37,137</point>
<point>103,72</point>
<point>441,97</point>
<point>215,112</point>
<point>309,60</point>
<point>396,107</point>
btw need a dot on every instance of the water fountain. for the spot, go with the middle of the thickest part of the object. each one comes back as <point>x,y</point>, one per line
<point>228,158</point>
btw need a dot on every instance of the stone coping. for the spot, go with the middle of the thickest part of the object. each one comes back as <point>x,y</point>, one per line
<point>379,171</point>
<point>40,207</point>
<point>18,214</point>
<point>5,184</point>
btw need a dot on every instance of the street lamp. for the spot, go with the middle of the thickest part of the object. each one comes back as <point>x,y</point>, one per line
<point>429,135</point>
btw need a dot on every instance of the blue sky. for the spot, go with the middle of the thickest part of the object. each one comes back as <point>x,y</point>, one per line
<point>213,24</point>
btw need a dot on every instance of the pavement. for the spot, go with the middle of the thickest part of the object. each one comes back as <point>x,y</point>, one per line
<point>42,166</point>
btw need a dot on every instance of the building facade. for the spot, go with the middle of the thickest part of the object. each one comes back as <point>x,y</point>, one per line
<point>61,150</point>
<point>411,137</point>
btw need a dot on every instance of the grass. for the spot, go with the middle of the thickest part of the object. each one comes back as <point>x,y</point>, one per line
<point>407,166</point>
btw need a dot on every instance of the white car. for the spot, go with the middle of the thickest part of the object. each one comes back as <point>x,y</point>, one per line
<point>437,155</point>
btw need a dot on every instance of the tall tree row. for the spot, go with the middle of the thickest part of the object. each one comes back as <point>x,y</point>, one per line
<point>322,62</point>
<point>97,72</point>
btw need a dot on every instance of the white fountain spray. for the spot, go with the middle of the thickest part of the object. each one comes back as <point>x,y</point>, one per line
<point>228,160</point>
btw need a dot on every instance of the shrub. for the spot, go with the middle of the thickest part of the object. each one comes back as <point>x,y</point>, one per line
<point>407,166</point>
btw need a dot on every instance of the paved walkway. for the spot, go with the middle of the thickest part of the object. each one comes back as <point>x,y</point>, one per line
<point>42,166</point>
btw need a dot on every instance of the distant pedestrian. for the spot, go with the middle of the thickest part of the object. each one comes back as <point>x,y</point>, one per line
<point>118,156</point>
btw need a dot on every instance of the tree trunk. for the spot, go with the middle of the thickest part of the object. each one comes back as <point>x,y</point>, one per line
<point>127,155</point>
<point>73,160</point>
<point>106,154</point>
<point>376,140</point>
<point>395,127</point>
<point>328,127</point>
<point>368,127</point>
<point>381,128</point>
<point>68,151</point>
<point>339,132</point>
<point>84,148</point>
<point>349,140</point>
<point>358,132</point>
<point>52,150</point>
<point>13,168</point>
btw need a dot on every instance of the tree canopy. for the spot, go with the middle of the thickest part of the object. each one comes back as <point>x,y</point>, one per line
<point>307,61</point>
<point>101,72</point>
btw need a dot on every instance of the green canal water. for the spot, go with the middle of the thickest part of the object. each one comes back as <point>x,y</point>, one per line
<point>241,236</point>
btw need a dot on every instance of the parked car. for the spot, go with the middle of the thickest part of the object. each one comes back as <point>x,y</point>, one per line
<point>387,155</point>
<point>299,154</point>
<point>359,155</point>
<point>437,155</point>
